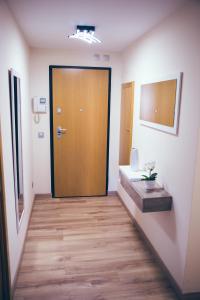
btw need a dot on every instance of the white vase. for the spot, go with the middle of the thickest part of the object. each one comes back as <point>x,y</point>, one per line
<point>134,159</point>
<point>149,184</point>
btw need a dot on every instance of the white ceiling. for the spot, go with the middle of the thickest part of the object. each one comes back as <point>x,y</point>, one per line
<point>46,23</point>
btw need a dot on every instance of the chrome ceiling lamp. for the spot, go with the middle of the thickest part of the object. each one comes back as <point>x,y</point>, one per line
<point>85,33</point>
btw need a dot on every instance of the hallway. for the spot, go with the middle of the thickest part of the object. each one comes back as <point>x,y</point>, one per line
<point>86,249</point>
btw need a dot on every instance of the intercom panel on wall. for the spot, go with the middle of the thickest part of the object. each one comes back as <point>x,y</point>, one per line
<point>39,105</point>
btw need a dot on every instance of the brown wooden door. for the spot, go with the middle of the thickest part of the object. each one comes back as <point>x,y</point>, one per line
<point>126,123</point>
<point>80,108</point>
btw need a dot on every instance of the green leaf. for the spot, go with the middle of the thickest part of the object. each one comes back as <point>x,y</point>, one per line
<point>154,174</point>
<point>145,177</point>
<point>150,177</point>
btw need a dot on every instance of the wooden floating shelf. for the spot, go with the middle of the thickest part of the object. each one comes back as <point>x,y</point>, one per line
<point>147,201</point>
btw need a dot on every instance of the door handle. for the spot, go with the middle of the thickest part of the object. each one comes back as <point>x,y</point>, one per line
<point>61,131</point>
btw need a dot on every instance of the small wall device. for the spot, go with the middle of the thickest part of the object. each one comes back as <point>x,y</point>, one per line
<point>39,105</point>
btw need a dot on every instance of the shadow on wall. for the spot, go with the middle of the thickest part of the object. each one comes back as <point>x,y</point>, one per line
<point>168,223</point>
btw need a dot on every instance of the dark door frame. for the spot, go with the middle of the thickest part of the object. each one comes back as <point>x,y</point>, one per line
<point>4,269</point>
<point>51,67</point>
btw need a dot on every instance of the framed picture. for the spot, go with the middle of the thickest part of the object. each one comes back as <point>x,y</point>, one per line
<point>160,103</point>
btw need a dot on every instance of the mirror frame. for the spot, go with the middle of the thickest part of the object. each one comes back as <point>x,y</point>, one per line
<point>12,75</point>
<point>168,129</point>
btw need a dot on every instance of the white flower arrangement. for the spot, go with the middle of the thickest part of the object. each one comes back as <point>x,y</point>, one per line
<point>149,167</point>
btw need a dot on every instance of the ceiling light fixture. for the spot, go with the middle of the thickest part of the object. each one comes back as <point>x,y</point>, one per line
<point>85,33</point>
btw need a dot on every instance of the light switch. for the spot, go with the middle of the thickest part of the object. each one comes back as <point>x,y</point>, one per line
<point>40,134</point>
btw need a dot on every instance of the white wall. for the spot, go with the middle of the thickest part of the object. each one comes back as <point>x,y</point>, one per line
<point>14,54</point>
<point>171,47</point>
<point>40,61</point>
<point>192,268</point>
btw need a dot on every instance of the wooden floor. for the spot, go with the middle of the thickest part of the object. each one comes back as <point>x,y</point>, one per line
<point>87,249</point>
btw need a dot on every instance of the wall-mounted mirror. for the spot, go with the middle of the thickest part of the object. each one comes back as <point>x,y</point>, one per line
<point>15,110</point>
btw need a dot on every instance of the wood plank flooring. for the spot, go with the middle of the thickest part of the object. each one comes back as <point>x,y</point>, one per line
<point>87,249</point>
